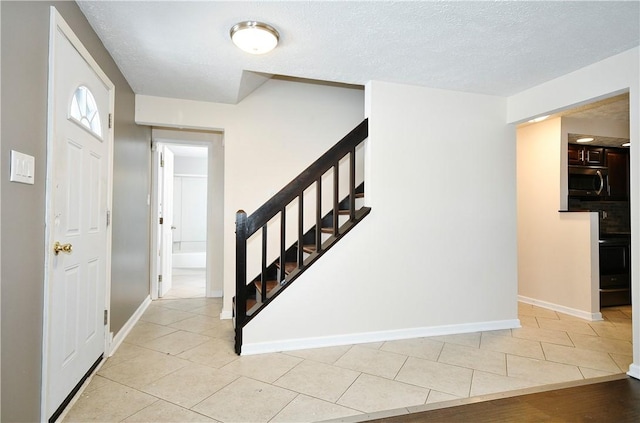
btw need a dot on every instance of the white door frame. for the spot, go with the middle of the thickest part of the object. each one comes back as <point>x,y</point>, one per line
<point>211,242</point>
<point>57,23</point>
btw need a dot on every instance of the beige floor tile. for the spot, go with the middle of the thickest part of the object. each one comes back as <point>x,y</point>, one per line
<point>125,352</point>
<point>437,396</point>
<point>568,317</point>
<point>328,355</point>
<point>246,400</point>
<point>145,331</point>
<point>593,373</point>
<point>569,326</point>
<point>529,321</point>
<point>510,345</point>
<point>426,348</point>
<point>615,314</point>
<point>163,411</point>
<point>195,374</point>
<point>212,310</point>
<point>623,361</point>
<point>196,324</point>
<point>98,405</point>
<point>543,372</point>
<point>223,330</point>
<point>176,342</point>
<point>318,380</point>
<point>373,362</point>
<point>97,382</point>
<point>264,367</point>
<point>214,353</point>
<point>164,316</point>
<point>372,393</point>
<point>374,345</point>
<point>442,377</point>
<point>468,339</point>
<point>189,385</point>
<point>531,310</point>
<point>474,358</point>
<point>597,343</point>
<point>499,332</point>
<point>613,332</point>
<point>143,369</point>
<point>484,383</point>
<point>185,304</point>
<point>544,335</point>
<point>307,409</point>
<point>579,357</point>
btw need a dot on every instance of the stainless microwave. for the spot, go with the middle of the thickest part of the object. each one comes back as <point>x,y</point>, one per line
<point>591,181</point>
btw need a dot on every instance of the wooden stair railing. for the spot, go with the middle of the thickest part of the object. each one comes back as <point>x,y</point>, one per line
<point>253,296</point>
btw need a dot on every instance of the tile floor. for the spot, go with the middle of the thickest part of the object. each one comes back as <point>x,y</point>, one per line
<point>178,365</point>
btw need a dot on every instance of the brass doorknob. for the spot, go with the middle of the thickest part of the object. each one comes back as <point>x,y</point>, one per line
<point>64,248</point>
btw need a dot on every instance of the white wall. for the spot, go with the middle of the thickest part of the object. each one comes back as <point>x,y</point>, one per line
<point>270,137</point>
<point>437,254</point>
<point>616,74</point>
<point>557,252</point>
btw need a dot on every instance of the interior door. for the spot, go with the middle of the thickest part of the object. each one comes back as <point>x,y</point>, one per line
<point>78,235</point>
<point>166,215</point>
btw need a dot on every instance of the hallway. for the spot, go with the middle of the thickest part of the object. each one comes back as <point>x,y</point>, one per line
<point>178,364</point>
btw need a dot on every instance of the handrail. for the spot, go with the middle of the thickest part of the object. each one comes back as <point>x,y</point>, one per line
<point>309,176</point>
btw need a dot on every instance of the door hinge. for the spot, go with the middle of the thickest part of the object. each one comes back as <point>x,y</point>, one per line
<point>106,317</point>
<point>161,220</point>
<point>108,217</point>
<point>159,278</point>
<point>110,120</point>
<point>161,160</point>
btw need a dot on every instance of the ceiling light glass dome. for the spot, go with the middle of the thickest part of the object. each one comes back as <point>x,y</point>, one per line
<point>254,37</point>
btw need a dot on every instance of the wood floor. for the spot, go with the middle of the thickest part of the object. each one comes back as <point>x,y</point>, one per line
<point>610,401</point>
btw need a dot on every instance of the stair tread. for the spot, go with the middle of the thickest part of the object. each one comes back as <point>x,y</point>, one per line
<point>309,248</point>
<point>289,266</point>
<point>327,230</point>
<point>250,303</point>
<point>270,285</point>
<point>359,194</point>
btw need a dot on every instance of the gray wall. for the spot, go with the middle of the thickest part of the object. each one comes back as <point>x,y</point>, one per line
<point>24,59</point>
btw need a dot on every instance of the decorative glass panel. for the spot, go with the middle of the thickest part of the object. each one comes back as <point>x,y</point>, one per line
<point>84,110</point>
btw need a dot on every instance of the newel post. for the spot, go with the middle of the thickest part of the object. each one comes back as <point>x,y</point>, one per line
<point>241,276</point>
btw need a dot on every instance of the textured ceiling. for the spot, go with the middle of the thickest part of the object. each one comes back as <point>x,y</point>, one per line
<point>182,49</point>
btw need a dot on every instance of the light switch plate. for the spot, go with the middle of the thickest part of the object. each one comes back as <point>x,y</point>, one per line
<point>22,168</point>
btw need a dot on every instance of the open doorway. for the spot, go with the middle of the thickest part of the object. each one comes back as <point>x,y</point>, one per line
<point>187,206</point>
<point>562,251</point>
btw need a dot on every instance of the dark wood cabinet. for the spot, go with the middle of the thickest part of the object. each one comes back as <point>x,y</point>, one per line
<point>583,155</point>
<point>617,160</point>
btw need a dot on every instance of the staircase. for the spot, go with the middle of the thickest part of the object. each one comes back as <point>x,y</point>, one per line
<point>310,242</point>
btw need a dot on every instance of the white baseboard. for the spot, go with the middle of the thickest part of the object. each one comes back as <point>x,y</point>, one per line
<point>226,314</point>
<point>215,294</point>
<point>634,371</point>
<point>360,338</point>
<point>124,331</point>
<point>592,317</point>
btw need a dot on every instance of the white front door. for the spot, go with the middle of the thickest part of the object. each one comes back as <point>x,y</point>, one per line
<point>78,201</point>
<point>166,215</point>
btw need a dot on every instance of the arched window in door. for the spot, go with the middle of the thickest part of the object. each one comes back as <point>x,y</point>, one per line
<point>84,111</point>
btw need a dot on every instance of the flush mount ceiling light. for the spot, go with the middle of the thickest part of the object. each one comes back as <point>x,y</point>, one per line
<point>254,37</point>
<point>583,140</point>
